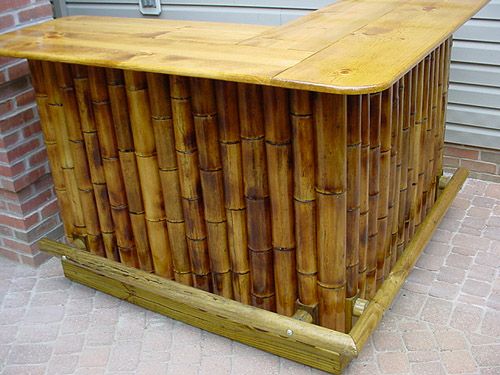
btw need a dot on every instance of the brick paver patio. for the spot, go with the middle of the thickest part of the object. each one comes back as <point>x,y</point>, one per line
<point>446,320</point>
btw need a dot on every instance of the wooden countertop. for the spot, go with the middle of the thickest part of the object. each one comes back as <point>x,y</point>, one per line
<point>350,47</point>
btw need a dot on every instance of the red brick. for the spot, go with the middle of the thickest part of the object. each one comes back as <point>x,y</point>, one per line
<point>10,140</point>
<point>35,13</point>
<point>38,158</point>
<point>37,201</point>
<point>12,4</point>
<point>6,22</point>
<point>2,77</point>
<point>50,209</point>
<point>12,88</point>
<point>16,120</point>
<point>4,61</point>
<point>479,166</point>
<point>31,129</point>
<point>9,254</point>
<point>17,246</point>
<point>450,161</point>
<point>25,98</point>
<point>19,223</point>
<point>18,70</point>
<point>21,150</point>
<point>30,177</point>
<point>461,152</point>
<point>37,259</point>
<point>12,170</point>
<point>6,106</point>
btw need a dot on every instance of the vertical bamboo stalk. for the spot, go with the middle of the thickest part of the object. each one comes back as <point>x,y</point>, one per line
<point>205,122</point>
<point>257,196</point>
<point>364,194</point>
<point>163,127</point>
<point>189,178</point>
<point>431,132</point>
<point>147,167</point>
<point>404,156</point>
<point>81,169</point>
<point>230,147</point>
<point>111,166</point>
<point>49,129</point>
<point>58,119</point>
<point>280,176</point>
<point>383,240</point>
<point>374,193</point>
<point>396,139</point>
<point>125,144</point>
<point>415,136</point>
<point>331,186</point>
<point>96,168</point>
<point>304,196</point>
<point>354,114</point>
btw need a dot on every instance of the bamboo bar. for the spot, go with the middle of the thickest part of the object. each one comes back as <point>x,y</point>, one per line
<point>295,168</point>
<point>304,196</point>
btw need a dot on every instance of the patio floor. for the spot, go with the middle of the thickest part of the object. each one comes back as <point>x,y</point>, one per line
<point>446,319</point>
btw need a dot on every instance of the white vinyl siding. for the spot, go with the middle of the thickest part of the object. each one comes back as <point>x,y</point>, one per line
<point>474,96</point>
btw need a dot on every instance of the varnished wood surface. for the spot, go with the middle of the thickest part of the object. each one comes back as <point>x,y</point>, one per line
<point>350,47</point>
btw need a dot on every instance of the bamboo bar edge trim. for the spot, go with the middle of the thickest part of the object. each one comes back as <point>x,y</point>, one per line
<point>265,324</point>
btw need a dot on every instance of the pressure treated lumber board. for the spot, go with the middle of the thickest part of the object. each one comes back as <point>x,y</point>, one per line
<point>306,343</point>
<point>350,47</point>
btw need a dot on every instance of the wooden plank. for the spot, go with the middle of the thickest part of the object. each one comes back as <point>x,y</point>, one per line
<point>350,47</point>
<point>310,344</point>
<point>373,57</point>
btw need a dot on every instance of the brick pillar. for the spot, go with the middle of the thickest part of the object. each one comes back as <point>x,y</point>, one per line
<point>28,207</point>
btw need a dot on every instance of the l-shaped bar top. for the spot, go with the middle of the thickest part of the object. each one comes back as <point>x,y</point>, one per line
<point>350,47</point>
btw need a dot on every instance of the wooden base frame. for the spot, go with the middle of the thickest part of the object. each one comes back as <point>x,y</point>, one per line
<point>291,338</point>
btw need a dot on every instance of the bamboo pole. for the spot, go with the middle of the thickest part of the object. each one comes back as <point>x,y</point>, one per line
<point>79,156</point>
<point>374,193</point>
<point>257,196</point>
<point>278,135</point>
<point>331,185</point>
<point>125,144</point>
<point>147,166</point>
<point>163,128</point>
<point>49,131</point>
<point>304,196</point>
<point>364,194</point>
<point>404,156</point>
<point>111,166</point>
<point>396,134</point>
<point>383,239</point>
<point>230,148</point>
<point>370,318</point>
<point>95,164</point>
<point>415,136</point>
<point>189,179</point>
<point>354,121</point>
<point>57,113</point>
<point>205,122</point>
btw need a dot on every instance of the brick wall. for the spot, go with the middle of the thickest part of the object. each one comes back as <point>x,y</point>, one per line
<point>483,163</point>
<point>28,207</point>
